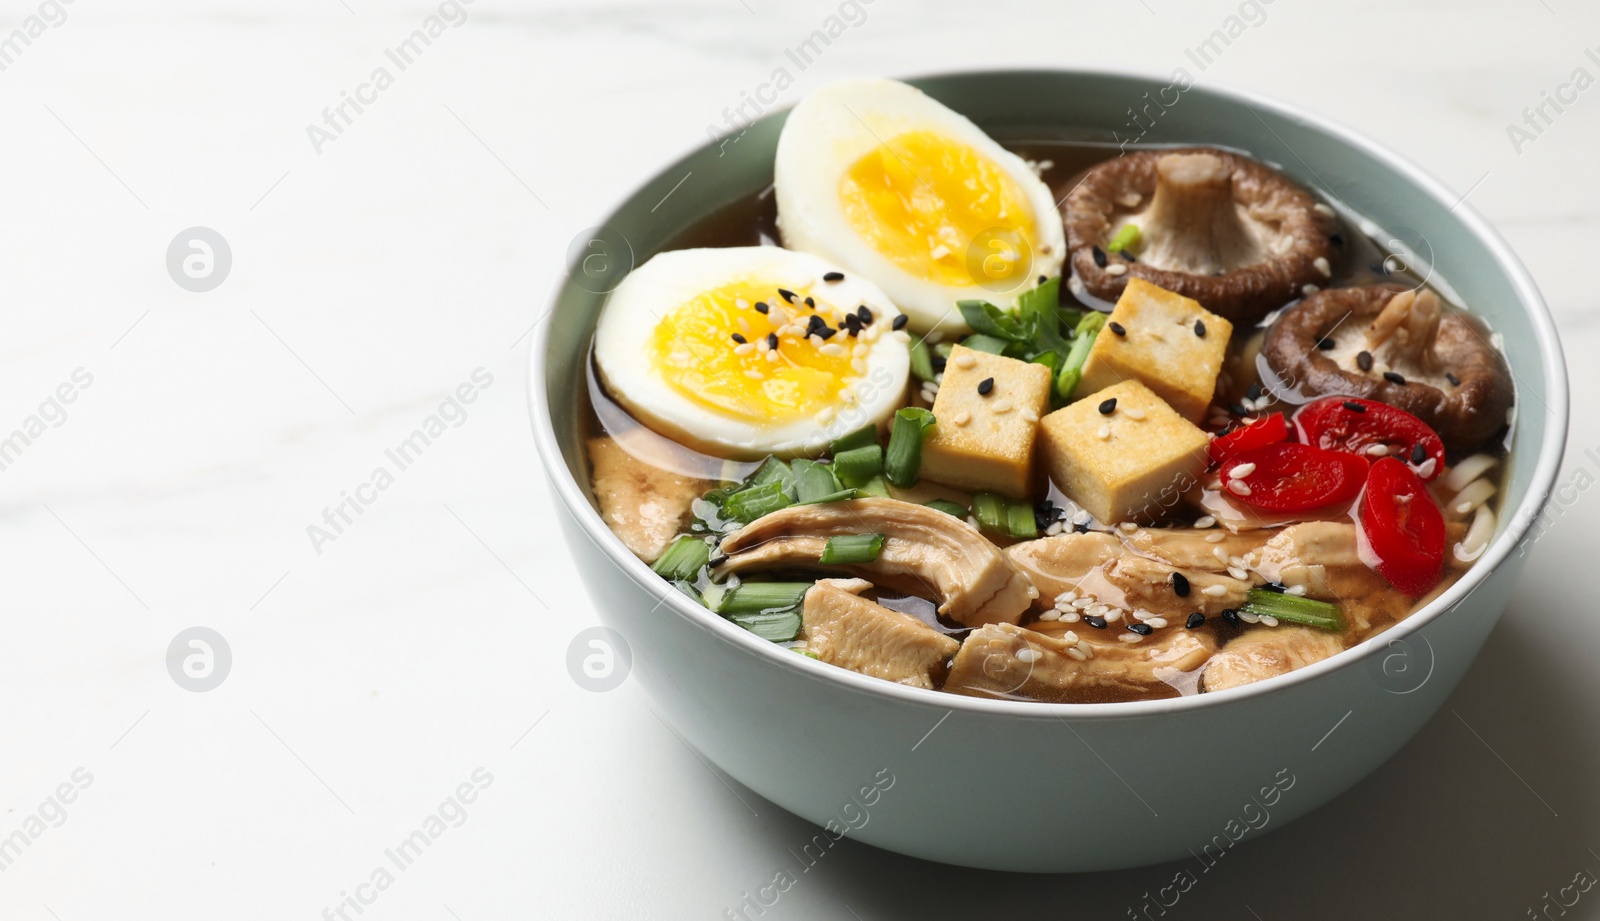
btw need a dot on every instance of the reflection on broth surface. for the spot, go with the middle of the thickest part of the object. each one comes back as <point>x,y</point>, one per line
<point>1089,499</point>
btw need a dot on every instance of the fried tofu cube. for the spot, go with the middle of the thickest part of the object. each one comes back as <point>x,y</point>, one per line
<point>985,433</point>
<point>1169,342</point>
<point>1130,464</point>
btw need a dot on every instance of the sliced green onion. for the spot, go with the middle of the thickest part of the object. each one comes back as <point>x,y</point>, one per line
<point>1072,368</point>
<point>905,446</point>
<point>756,597</point>
<point>1041,308</point>
<point>1292,608</point>
<point>858,465</point>
<point>984,343</point>
<point>990,510</point>
<point>688,589</point>
<point>772,470</point>
<point>851,548</point>
<point>778,626</point>
<point>943,349</point>
<point>1126,238</point>
<point>814,482</point>
<point>1051,360</point>
<point>860,438</point>
<point>1020,522</point>
<point>877,486</point>
<point>747,505</point>
<point>921,361</point>
<point>989,320</point>
<point>948,507</point>
<point>683,559</point>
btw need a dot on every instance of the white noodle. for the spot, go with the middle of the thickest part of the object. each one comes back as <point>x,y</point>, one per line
<point>1476,493</point>
<point>1467,471</point>
<point>1477,537</point>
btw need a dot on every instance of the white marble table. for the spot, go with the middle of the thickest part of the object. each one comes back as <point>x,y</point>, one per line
<point>421,647</point>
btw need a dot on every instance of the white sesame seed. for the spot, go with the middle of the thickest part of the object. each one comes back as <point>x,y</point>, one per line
<point>1249,618</point>
<point>1236,561</point>
<point>1028,415</point>
<point>1105,432</point>
<point>1463,507</point>
<point>744,348</point>
<point>1134,412</point>
<point>1085,648</point>
<point>772,355</point>
<point>755,375</point>
<point>832,350</point>
<point>901,335</point>
<point>1001,407</point>
<point>1054,529</point>
<point>1308,290</point>
<point>1216,537</point>
<point>1239,487</point>
<point>1238,573</point>
<point>826,415</point>
<point>740,303</point>
<point>1205,521</point>
<point>1116,268</point>
<point>966,360</point>
<point>1321,262</point>
<point>1128,527</point>
<point>1027,654</point>
<point>962,418</point>
<point>744,326</point>
<point>1220,554</point>
<point>816,341</point>
<point>1157,622</point>
<point>1050,615</point>
<point>1069,637</point>
<point>1077,653</point>
<point>1113,615</point>
<point>860,367</point>
<point>1067,596</point>
<point>1242,471</point>
<point>1322,209</point>
<point>1130,637</point>
<point>1268,620</point>
<point>1427,467</point>
<point>1378,450</point>
<point>1296,590</point>
<point>1215,591</point>
<point>1070,617</point>
<point>859,351</point>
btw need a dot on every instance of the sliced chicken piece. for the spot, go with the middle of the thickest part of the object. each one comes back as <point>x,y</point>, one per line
<point>1102,566</point>
<point>1002,660</point>
<point>1267,652</point>
<point>926,553</point>
<point>645,505</point>
<point>844,629</point>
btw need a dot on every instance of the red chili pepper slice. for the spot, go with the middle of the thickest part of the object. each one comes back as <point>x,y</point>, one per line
<point>1402,525</point>
<point>1292,477</point>
<point>1354,426</point>
<point>1268,430</point>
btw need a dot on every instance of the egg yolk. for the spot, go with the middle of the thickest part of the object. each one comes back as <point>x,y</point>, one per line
<point>694,352</point>
<point>923,200</point>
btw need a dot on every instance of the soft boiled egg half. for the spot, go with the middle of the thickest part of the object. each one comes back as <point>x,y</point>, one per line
<point>748,351</point>
<point>888,183</point>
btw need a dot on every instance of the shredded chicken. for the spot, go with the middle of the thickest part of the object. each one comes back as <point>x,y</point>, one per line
<point>644,504</point>
<point>844,629</point>
<point>1001,660</point>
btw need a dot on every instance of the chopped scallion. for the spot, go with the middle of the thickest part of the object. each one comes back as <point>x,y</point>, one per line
<point>921,361</point>
<point>772,470</point>
<point>1126,238</point>
<point>1072,368</point>
<point>860,438</point>
<point>877,486</point>
<point>813,482</point>
<point>683,559</point>
<point>985,343</point>
<point>851,548</point>
<point>948,507</point>
<point>751,503</point>
<point>905,446</point>
<point>756,597</point>
<point>779,626</point>
<point>857,465</point>
<point>1293,608</point>
<point>1020,522</point>
<point>989,320</point>
<point>990,510</point>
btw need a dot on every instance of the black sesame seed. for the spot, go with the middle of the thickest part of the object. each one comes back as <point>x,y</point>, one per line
<point>1364,360</point>
<point>901,321</point>
<point>1454,381</point>
<point>815,321</point>
<point>1275,587</point>
<point>864,314</point>
<point>811,303</point>
<point>939,361</point>
<point>1336,239</point>
<point>985,386</point>
<point>1095,621</point>
<point>1081,527</point>
<point>1238,409</point>
<point>833,276</point>
<point>1099,257</point>
<point>739,339</point>
<point>1043,279</point>
<point>1117,328</point>
<point>1354,407</point>
<point>1046,513</point>
<point>1107,407</point>
<point>1325,344</point>
<point>1196,619</point>
<point>761,307</point>
<point>717,560</point>
<point>1394,377</point>
<point>1200,328</point>
<point>772,340</point>
<point>1128,256</point>
<point>786,295</point>
<point>1230,617</point>
<point>1141,629</point>
<point>825,332</point>
<point>1180,585</point>
<point>1418,454</point>
<point>1254,393</point>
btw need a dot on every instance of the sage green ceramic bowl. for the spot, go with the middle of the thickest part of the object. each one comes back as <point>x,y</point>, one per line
<point>1056,787</point>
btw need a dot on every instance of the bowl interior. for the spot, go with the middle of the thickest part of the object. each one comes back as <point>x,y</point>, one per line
<point>1410,213</point>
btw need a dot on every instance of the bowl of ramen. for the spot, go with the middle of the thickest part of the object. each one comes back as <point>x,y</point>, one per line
<point>987,477</point>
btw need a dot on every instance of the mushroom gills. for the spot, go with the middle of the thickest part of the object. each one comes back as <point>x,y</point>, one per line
<point>1193,224</point>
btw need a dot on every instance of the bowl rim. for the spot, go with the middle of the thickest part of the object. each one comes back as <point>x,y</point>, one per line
<point>1546,465</point>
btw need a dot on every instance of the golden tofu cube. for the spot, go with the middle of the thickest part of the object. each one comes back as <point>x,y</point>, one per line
<point>1133,463</point>
<point>1162,346</point>
<point>984,440</point>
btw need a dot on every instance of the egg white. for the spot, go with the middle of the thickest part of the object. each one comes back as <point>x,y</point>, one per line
<point>650,292</point>
<point>833,128</point>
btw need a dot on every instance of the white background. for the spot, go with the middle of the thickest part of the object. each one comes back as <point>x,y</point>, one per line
<point>371,679</point>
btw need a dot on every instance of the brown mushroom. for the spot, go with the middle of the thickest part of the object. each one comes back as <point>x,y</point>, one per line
<point>925,552</point>
<point>1225,230</point>
<point>1397,346</point>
